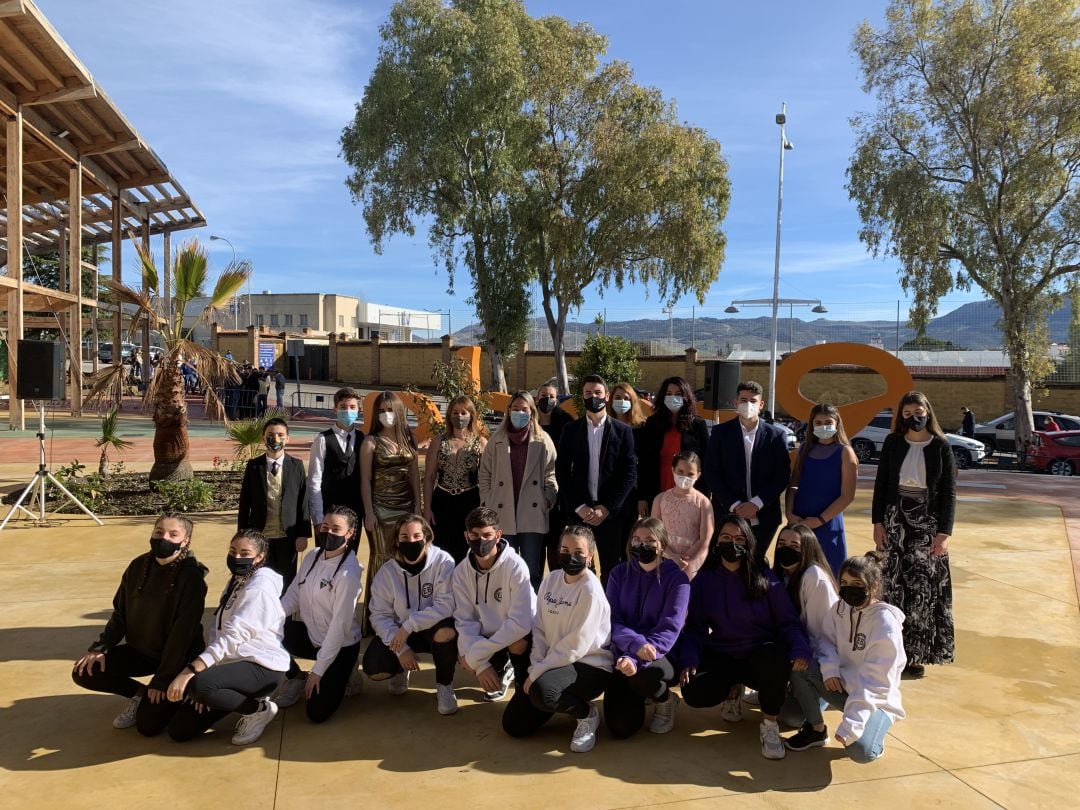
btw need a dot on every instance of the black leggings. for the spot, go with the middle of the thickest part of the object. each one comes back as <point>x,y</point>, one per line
<point>281,557</point>
<point>520,663</point>
<point>379,660</point>
<point>766,669</point>
<point>624,699</point>
<point>566,689</point>
<point>222,689</point>
<point>323,703</point>
<point>121,663</point>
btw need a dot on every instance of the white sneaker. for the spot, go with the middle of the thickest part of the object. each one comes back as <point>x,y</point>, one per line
<point>399,684</point>
<point>356,684</point>
<point>507,679</point>
<point>585,733</point>
<point>291,691</point>
<point>731,710</point>
<point>251,726</point>
<point>751,698</point>
<point>126,718</point>
<point>663,719</point>
<point>772,747</point>
<point>446,697</point>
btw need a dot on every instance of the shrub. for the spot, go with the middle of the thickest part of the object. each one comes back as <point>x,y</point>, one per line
<point>613,358</point>
<point>184,496</point>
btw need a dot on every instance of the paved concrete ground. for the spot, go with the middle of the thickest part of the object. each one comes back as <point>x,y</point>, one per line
<point>997,728</point>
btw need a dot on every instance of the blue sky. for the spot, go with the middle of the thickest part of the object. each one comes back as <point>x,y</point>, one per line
<point>245,101</point>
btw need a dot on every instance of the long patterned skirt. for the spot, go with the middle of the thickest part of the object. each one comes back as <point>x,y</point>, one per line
<point>917,582</point>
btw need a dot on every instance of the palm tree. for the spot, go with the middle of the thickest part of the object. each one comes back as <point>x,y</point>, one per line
<point>247,434</point>
<point>110,438</point>
<point>164,397</point>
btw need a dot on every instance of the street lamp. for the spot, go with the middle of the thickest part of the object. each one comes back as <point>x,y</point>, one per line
<point>775,303</point>
<point>785,145</point>
<point>236,304</point>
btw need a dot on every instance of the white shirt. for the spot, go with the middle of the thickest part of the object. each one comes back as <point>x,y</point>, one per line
<point>749,436</point>
<point>346,440</point>
<point>913,470</point>
<point>251,624</point>
<point>595,434</point>
<point>572,623</point>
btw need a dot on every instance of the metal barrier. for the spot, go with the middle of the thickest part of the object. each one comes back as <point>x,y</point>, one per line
<point>312,404</point>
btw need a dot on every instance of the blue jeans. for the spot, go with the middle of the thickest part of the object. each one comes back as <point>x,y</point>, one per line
<point>809,688</point>
<point>530,545</point>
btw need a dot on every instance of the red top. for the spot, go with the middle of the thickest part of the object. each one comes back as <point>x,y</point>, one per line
<point>672,445</point>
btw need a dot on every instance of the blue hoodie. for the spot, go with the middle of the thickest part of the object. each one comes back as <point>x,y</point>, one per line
<point>647,607</point>
<point>722,617</point>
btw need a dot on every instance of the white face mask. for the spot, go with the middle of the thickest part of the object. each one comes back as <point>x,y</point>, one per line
<point>748,410</point>
<point>621,406</point>
<point>673,403</point>
<point>824,431</point>
<point>462,420</point>
<point>386,418</point>
<point>684,481</point>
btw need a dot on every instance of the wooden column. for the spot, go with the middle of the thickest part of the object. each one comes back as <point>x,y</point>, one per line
<point>75,279</point>
<point>94,316</point>
<point>17,418</point>
<point>117,276</point>
<point>146,318</point>
<point>166,285</point>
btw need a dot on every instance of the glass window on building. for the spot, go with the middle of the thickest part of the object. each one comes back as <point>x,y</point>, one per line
<point>354,321</point>
<point>341,320</point>
<point>303,320</point>
<point>259,321</point>
<point>273,320</point>
<point>288,320</point>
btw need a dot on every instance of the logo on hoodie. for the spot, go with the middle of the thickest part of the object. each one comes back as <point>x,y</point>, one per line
<point>860,642</point>
<point>427,589</point>
<point>498,594</point>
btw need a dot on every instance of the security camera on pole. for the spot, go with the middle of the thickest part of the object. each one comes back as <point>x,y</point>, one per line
<point>785,144</point>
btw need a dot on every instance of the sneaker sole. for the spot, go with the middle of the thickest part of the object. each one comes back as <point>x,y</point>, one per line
<point>778,755</point>
<point>815,744</point>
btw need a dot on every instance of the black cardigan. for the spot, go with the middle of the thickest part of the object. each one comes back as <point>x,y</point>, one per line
<point>940,479</point>
<point>650,440</point>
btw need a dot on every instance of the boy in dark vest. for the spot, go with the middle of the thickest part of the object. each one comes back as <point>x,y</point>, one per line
<point>334,465</point>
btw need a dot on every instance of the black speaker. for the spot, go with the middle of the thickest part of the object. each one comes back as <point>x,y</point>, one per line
<point>41,370</point>
<point>721,380</point>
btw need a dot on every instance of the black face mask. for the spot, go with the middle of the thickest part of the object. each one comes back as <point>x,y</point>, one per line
<point>546,404</point>
<point>481,548</point>
<point>788,556</point>
<point>854,595</point>
<point>643,554</point>
<point>274,446</point>
<point>595,404</point>
<point>412,551</point>
<point>573,564</point>
<point>162,548</point>
<point>914,422</point>
<point>332,542</point>
<point>239,566</point>
<point>320,539</point>
<point>731,552</point>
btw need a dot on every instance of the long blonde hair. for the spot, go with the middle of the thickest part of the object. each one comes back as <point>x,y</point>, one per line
<point>633,417</point>
<point>534,414</point>
<point>400,433</point>
<point>476,425</point>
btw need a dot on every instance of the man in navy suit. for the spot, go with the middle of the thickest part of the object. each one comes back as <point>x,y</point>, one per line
<point>273,500</point>
<point>596,470</point>
<point>747,467</point>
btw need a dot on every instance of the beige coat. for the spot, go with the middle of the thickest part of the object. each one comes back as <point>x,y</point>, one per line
<point>538,487</point>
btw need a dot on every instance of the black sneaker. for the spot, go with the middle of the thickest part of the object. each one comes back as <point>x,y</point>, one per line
<point>806,737</point>
<point>913,672</point>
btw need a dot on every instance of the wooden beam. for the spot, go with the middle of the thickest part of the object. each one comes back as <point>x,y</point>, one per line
<point>105,146</point>
<point>144,180</point>
<point>12,8</point>
<point>75,264</point>
<point>13,69</point>
<point>99,216</point>
<point>73,90</point>
<point>117,271</point>
<point>16,415</point>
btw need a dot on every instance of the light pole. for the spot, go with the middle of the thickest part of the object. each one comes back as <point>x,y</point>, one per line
<point>775,303</point>
<point>236,304</point>
<point>785,144</point>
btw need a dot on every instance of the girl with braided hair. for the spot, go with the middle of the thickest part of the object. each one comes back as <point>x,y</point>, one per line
<point>155,628</point>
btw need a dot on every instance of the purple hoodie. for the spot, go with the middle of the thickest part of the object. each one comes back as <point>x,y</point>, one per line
<point>724,618</point>
<point>647,607</point>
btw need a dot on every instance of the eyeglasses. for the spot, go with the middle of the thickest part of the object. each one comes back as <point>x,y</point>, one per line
<point>731,538</point>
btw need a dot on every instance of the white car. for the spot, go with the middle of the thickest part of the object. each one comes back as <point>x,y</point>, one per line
<point>868,441</point>
<point>999,435</point>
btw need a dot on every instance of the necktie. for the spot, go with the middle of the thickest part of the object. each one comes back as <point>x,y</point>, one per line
<point>273,468</point>
<point>348,443</point>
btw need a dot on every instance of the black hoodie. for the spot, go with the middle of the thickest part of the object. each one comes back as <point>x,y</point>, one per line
<point>160,618</point>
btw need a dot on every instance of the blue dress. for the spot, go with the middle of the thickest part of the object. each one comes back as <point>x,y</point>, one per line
<point>819,486</point>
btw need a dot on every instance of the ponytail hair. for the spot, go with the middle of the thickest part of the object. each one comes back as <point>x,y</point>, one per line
<point>869,568</point>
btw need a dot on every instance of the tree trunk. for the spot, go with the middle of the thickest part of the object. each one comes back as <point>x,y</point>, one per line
<point>557,327</point>
<point>103,463</point>
<point>1023,420</point>
<point>1018,343</point>
<point>498,369</point>
<point>170,428</point>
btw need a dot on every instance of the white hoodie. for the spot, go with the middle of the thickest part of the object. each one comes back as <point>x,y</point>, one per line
<point>251,624</point>
<point>493,608</point>
<point>865,649</point>
<point>325,592</point>
<point>572,623</point>
<point>817,596</point>
<point>399,599</point>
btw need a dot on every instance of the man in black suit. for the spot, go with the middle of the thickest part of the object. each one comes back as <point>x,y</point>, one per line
<point>334,464</point>
<point>273,500</point>
<point>596,470</point>
<point>748,467</point>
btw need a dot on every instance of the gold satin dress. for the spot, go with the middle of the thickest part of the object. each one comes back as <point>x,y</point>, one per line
<point>391,499</point>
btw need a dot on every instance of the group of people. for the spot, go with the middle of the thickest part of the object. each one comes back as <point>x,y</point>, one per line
<point>687,606</point>
<point>247,396</point>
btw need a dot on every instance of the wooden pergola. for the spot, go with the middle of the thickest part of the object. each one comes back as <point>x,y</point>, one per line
<point>77,174</point>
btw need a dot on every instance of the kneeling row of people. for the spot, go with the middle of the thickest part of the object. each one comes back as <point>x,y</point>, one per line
<point>737,624</point>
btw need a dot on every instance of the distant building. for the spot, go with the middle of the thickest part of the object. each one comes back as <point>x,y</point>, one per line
<point>320,314</point>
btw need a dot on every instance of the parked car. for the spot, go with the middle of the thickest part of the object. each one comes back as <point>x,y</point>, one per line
<point>868,441</point>
<point>1057,452</point>
<point>105,352</point>
<point>999,435</point>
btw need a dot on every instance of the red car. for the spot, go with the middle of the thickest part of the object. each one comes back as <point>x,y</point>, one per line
<point>1057,453</point>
